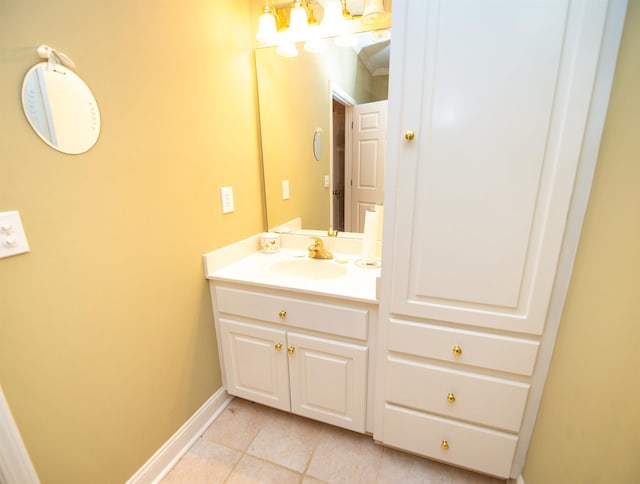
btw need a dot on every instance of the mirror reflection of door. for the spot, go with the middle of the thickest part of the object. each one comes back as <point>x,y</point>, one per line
<point>338,168</point>
<point>366,173</point>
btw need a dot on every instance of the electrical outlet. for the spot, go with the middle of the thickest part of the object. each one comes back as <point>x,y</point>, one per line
<point>285,189</point>
<point>13,240</point>
<point>226,194</point>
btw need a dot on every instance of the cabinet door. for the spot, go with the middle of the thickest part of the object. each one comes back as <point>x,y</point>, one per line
<point>328,380</point>
<point>497,94</point>
<point>255,363</point>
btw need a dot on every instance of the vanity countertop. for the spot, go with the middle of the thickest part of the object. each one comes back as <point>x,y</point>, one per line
<point>292,270</point>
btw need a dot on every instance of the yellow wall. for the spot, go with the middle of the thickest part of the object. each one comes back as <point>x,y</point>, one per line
<point>588,428</point>
<point>106,334</point>
<point>107,342</point>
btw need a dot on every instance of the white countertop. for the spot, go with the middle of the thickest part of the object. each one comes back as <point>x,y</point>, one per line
<point>340,277</point>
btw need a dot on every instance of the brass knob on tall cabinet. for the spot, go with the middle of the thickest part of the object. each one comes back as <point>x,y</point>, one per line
<point>457,350</point>
<point>409,135</point>
<point>282,314</point>
<point>291,349</point>
<point>444,445</point>
<point>278,346</point>
<point>451,398</point>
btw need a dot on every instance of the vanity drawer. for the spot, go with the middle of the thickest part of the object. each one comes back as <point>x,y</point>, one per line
<point>461,444</point>
<point>485,350</point>
<point>334,319</point>
<point>486,400</point>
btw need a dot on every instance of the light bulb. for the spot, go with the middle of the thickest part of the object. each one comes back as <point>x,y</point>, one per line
<point>373,12</point>
<point>298,22</point>
<point>266,26</point>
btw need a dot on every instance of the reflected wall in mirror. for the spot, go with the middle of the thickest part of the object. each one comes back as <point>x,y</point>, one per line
<point>300,95</point>
<point>60,108</point>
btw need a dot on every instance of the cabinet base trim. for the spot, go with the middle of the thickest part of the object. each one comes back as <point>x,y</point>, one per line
<point>160,463</point>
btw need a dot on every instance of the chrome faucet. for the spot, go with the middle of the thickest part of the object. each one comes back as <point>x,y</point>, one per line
<point>317,250</point>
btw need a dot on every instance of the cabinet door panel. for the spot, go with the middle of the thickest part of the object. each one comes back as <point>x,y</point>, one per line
<point>484,188</point>
<point>328,380</point>
<point>255,369</point>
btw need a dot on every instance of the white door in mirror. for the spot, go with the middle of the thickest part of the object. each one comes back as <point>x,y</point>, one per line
<point>13,240</point>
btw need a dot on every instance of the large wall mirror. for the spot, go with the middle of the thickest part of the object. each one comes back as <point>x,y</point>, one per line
<point>324,92</point>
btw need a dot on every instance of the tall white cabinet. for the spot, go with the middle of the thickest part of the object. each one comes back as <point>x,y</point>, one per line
<point>496,110</point>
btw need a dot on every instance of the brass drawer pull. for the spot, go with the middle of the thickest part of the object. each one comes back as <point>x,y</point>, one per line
<point>282,314</point>
<point>451,398</point>
<point>409,135</point>
<point>278,346</point>
<point>291,349</point>
<point>457,350</point>
<point>444,445</point>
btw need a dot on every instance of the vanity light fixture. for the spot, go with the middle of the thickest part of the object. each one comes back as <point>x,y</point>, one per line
<point>284,26</point>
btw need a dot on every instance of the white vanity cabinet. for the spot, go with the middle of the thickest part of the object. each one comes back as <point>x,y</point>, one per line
<point>495,113</point>
<point>305,355</point>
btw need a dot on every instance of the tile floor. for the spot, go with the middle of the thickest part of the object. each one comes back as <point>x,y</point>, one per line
<point>251,443</point>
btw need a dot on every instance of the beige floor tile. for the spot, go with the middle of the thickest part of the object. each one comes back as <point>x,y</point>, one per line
<point>406,468</point>
<point>312,480</point>
<point>238,424</point>
<point>255,471</point>
<point>345,457</point>
<point>206,462</point>
<point>287,440</point>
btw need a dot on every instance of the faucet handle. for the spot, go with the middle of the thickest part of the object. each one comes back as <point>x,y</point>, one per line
<point>317,242</point>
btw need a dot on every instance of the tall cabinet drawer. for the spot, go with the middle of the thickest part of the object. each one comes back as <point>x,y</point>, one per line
<point>461,444</point>
<point>496,402</point>
<point>485,350</point>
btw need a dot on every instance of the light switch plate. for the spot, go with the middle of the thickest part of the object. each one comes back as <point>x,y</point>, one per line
<point>13,240</point>
<point>285,189</point>
<point>226,194</point>
<point>326,181</point>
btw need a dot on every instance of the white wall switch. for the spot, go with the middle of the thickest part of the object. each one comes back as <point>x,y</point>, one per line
<point>13,240</point>
<point>226,194</point>
<point>326,181</point>
<point>285,189</point>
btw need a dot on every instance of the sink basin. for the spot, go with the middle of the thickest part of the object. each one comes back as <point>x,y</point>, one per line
<point>309,268</point>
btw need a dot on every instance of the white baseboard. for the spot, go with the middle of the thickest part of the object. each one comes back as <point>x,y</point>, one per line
<point>179,443</point>
<point>15,463</point>
<point>518,480</point>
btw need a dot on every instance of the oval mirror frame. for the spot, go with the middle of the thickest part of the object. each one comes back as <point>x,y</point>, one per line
<point>317,144</point>
<point>60,108</point>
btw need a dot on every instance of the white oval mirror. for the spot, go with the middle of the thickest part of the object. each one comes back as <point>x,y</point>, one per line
<point>317,144</point>
<point>60,108</point>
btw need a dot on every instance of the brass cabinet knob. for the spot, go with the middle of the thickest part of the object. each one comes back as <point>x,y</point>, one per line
<point>291,349</point>
<point>278,346</point>
<point>451,398</point>
<point>444,445</point>
<point>457,350</point>
<point>409,135</point>
<point>282,314</point>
